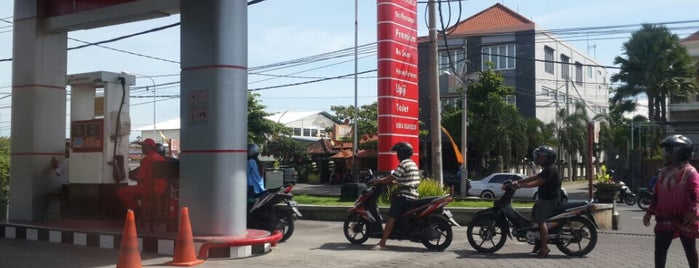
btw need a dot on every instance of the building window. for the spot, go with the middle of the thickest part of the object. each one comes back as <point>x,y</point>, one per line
<point>501,57</point>
<point>578,73</point>
<point>548,92</point>
<point>548,57</point>
<point>511,99</point>
<point>565,67</point>
<point>458,58</point>
<point>589,71</point>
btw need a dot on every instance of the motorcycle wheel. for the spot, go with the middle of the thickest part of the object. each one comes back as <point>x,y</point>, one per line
<point>577,237</point>
<point>485,234</point>
<point>644,202</point>
<point>286,222</point>
<point>438,234</point>
<point>356,229</point>
<point>630,200</point>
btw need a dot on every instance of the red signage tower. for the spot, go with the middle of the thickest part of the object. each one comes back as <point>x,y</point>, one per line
<point>397,78</point>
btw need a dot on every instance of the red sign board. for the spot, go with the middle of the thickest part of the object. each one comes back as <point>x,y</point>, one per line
<point>398,88</point>
<point>403,126</point>
<point>63,7</point>
<point>398,77</point>
<point>398,107</point>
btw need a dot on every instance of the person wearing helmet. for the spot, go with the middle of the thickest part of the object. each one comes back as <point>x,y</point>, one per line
<point>674,202</point>
<point>148,185</point>
<point>549,193</point>
<point>407,176</point>
<point>256,184</point>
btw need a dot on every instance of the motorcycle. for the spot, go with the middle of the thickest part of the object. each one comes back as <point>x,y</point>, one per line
<point>264,213</point>
<point>572,227</point>
<point>625,195</point>
<point>643,198</point>
<point>425,221</point>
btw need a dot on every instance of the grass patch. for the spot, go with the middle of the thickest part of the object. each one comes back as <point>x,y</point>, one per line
<point>335,201</point>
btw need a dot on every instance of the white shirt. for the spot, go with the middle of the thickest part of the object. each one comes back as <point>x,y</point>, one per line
<point>62,172</point>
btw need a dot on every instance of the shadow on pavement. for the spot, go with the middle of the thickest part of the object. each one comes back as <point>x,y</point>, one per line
<point>368,246</point>
<point>472,254</point>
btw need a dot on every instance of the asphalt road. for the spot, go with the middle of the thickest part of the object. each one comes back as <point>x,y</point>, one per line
<point>322,244</point>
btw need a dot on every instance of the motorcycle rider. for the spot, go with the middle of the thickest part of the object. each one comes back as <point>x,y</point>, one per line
<point>549,183</point>
<point>407,175</point>
<point>256,184</point>
<point>674,202</point>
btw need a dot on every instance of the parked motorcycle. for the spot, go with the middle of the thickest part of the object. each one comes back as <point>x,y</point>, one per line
<point>625,195</point>
<point>264,213</point>
<point>425,221</point>
<point>571,228</point>
<point>643,198</point>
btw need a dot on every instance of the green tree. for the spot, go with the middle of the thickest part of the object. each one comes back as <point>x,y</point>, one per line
<point>367,119</point>
<point>260,130</point>
<point>572,133</point>
<point>495,126</point>
<point>286,150</point>
<point>655,65</point>
<point>614,132</point>
<point>4,168</point>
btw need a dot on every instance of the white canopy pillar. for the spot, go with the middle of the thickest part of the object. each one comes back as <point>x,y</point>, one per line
<point>214,115</point>
<point>39,63</point>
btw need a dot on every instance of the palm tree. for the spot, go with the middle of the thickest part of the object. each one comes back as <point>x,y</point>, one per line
<point>572,133</point>
<point>655,65</point>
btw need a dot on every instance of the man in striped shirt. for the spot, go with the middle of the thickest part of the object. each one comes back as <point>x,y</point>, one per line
<point>407,176</point>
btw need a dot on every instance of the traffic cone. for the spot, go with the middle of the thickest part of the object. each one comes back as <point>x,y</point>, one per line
<point>185,254</point>
<point>129,255</point>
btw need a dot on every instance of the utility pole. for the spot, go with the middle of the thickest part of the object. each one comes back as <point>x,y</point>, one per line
<point>464,134</point>
<point>355,145</point>
<point>435,104</point>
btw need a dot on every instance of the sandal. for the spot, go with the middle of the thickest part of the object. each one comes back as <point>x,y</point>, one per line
<point>379,247</point>
<point>543,253</point>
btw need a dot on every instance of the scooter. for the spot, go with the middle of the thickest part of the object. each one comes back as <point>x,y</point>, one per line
<point>425,221</point>
<point>264,213</point>
<point>643,198</point>
<point>571,228</point>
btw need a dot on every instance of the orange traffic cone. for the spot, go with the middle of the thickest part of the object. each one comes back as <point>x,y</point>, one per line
<point>184,246</point>
<point>129,256</point>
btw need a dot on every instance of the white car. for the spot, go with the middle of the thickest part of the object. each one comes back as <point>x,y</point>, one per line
<point>490,187</point>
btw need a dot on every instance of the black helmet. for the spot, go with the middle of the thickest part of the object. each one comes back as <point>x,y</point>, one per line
<point>403,150</point>
<point>681,146</point>
<point>544,151</point>
<point>160,149</point>
<point>253,150</point>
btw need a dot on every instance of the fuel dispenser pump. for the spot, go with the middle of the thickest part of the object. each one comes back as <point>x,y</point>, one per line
<point>99,133</point>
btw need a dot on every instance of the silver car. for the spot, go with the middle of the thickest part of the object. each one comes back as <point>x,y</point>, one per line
<point>490,187</point>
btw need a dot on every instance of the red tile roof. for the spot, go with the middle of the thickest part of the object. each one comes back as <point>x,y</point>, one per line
<point>497,18</point>
<point>692,37</point>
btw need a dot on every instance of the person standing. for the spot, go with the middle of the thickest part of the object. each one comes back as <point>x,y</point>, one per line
<point>407,175</point>
<point>674,202</point>
<point>61,171</point>
<point>549,183</point>
<point>147,185</point>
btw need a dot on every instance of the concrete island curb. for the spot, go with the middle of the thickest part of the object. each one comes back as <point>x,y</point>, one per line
<point>603,214</point>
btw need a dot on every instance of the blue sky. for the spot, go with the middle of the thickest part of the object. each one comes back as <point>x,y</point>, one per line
<point>282,30</point>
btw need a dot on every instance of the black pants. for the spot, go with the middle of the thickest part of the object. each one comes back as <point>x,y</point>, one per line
<point>662,243</point>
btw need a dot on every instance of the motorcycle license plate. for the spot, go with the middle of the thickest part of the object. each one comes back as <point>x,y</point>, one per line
<point>292,205</point>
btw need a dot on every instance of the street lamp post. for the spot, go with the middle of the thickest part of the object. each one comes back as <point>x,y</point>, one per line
<point>154,96</point>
